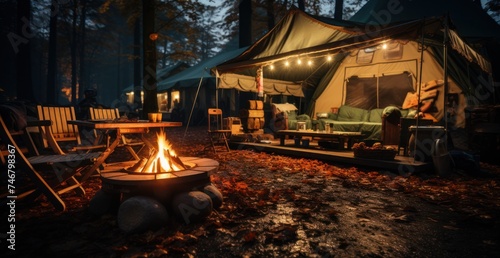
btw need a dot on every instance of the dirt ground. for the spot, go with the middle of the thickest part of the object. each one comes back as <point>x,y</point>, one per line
<point>277,206</point>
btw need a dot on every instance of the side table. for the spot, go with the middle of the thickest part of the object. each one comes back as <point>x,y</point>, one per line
<point>404,133</point>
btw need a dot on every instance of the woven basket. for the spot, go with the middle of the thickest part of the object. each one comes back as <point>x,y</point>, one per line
<point>375,154</point>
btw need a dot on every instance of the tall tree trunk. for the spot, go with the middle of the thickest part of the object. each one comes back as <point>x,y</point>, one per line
<point>119,67</point>
<point>23,58</point>
<point>137,66</point>
<point>149,65</point>
<point>245,33</point>
<point>270,14</point>
<point>339,6</point>
<point>301,5</point>
<point>73,48</point>
<point>81,47</point>
<point>52,91</point>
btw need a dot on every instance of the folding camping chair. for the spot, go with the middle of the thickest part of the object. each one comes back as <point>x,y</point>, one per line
<point>51,175</point>
<point>217,134</point>
<point>64,133</point>
<point>112,114</point>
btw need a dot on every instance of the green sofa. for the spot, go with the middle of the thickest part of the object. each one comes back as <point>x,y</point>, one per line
<point>292,120</point>
<point>352,119</point>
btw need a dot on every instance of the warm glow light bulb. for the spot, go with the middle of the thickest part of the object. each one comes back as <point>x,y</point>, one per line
<point>286,63</point>
<point>309,62</point>
<point>153,36</point>
<point>271,67</point>
<point>299,61</point>
<point>329,58</point>
<point>384,46</point>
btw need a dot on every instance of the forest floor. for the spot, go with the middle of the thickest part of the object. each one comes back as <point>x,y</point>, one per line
<point>279,206</point>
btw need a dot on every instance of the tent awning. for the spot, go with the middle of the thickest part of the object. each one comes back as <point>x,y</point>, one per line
<point>248,84</point>
<point>470,54</point>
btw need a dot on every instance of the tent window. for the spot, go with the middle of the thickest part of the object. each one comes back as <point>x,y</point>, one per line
<point>393,89</point>
<point>393,51</point>
<point>361,92</point>
<point>365,56</point>
<point>378,92</point>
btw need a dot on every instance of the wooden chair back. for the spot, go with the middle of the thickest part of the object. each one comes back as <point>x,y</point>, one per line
<point>215,120</point>
<point>61,130</point>
<point>62,167</point>
<point>217,134</point>
<point>104,113</point>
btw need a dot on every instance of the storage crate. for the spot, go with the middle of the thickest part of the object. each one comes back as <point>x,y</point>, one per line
<point>233,124</point>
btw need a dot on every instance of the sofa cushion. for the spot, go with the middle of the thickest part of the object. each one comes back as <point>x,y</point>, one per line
<point>348,113</point>
<point>375,115</point>
<point>292,115</point>
<point>333,116</point>
<point>347,126</point>
<point>371,131</point>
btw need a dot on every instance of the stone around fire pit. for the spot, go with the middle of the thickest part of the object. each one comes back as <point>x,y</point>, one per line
<point>192,206</point>
<point>214,194</point>
<point>141,213</point>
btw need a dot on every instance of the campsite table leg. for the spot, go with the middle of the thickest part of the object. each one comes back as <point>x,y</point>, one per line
<point>101,159</point>
<point>282,139</point>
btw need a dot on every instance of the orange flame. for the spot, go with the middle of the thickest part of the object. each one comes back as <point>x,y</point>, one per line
<point>163,159</point>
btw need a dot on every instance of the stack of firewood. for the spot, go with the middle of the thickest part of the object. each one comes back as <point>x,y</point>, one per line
<point>253,117</point>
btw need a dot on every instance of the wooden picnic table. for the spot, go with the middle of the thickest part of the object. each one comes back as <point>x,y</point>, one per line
<point>118,128</point>
<point>343,138</point>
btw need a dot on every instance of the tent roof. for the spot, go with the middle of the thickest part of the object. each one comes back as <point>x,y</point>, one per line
<point>164,73</point>
<point>296,31</point>
<point>301,35</point>
<point>470,19</point>
<point>191,76</point>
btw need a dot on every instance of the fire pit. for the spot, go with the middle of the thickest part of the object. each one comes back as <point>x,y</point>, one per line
<point>156,184</point>
<point>161,186</point>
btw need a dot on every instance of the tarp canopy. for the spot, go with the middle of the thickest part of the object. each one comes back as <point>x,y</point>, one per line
<point>191,76</point>
<point>299,35</point>
<point>164,73</point>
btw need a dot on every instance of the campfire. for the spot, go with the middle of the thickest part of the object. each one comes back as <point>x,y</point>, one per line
<point>162,181</point>
<point>160,160</point>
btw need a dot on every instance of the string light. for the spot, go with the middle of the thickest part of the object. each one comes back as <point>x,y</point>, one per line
<point>310,62</point>
<point>287,63</point>
<point>299,61</point>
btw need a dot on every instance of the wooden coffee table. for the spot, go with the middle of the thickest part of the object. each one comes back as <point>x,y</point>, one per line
<point>345,139</point>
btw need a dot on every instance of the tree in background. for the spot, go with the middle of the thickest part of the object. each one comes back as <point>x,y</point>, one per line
<point>493,8</point>
<point>23,54</point>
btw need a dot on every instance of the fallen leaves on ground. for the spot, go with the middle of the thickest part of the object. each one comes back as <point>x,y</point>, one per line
<point>283,206</point>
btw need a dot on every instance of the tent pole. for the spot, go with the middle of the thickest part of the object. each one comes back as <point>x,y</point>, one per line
<point>419,87</point>
<point>216,89</point>
<point>445,75</point>
<point>192,107</point>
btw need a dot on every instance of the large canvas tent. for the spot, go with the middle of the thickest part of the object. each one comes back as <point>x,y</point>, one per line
<point>346,52</point>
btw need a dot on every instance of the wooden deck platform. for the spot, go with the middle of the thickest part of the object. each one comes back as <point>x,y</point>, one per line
<point>401,164</point>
